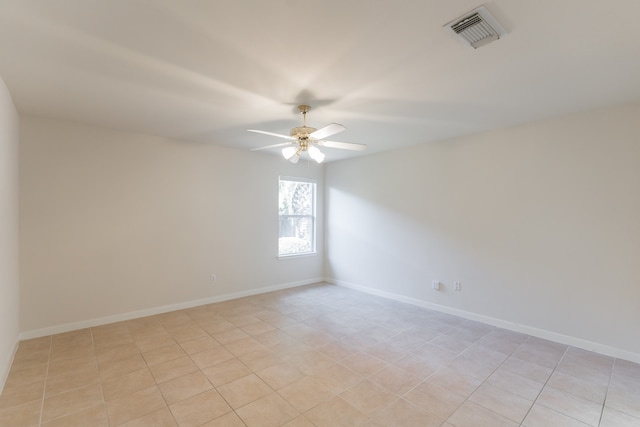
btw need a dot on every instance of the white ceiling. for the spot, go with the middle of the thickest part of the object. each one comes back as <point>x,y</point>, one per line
<point>205,71</point>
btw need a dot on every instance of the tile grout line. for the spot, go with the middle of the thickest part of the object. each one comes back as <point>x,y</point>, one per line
<point>104,403</point>
<point>146,364</point>
<point>544,385</point>
<point>233,410</point>
<point>547,381</point>
<point>200,370</point>
<point>484,381</point>
<point>46,376</point>
<point>606,393</point>
<point>399,396</point>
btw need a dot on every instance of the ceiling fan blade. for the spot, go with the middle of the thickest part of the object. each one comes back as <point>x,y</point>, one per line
<point>279,135</point>
<point>282,144</point>
<point>342,145</point>
<point>326,131</point>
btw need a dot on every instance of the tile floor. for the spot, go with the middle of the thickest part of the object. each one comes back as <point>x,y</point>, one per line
<point>318,355</point>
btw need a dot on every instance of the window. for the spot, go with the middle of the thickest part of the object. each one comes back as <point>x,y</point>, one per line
<point>297,209</point>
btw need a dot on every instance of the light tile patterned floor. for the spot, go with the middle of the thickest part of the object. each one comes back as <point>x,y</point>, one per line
<point>320,355</point>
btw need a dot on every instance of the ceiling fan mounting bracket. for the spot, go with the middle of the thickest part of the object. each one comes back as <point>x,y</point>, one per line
<point>304,109</point>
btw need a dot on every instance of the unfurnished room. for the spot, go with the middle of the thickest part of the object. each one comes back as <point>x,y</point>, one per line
<point>307,213</point>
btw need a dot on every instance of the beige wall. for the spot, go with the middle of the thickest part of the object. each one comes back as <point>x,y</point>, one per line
<point>9,279</point>
<point>540,223</point>
<point>115,223</point>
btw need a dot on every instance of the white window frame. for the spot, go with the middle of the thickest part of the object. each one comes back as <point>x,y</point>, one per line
<point>313,217</point>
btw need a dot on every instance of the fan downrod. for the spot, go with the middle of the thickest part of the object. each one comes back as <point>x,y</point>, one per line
<point>304,109</point>
<point>302,133</point>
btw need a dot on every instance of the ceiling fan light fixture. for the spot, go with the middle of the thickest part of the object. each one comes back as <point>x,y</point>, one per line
<point>316,154</point>
<point>294,159</point>
<point>289,152</point>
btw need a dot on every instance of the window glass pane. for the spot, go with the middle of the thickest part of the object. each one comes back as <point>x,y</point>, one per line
<point>297,217</point>
<point>296,198</point>
<point>296,234</point>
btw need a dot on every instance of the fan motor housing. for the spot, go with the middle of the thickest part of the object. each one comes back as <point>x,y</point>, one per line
<point>302,131</point>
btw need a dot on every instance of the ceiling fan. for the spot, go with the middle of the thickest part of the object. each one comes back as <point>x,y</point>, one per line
<point>307,139</point>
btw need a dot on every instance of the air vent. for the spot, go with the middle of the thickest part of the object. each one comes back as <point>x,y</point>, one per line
<point>476,28</point>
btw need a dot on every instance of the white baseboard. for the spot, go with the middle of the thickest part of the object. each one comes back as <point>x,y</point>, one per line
<point>6,366</point>
<point>89,323</point>
<point>516,327</point>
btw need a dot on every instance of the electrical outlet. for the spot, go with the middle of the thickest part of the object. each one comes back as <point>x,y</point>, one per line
<point>212,279</point>
<point>436,285</point>
<point>457,286</point>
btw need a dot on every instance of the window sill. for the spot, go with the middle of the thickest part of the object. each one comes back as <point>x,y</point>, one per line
<point>293,256</point>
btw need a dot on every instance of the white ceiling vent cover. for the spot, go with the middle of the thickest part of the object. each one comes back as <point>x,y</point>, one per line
<point>476,28</point>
